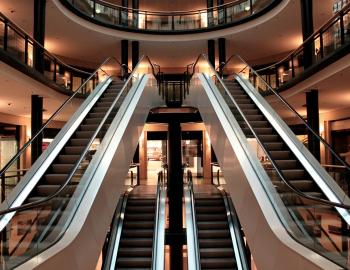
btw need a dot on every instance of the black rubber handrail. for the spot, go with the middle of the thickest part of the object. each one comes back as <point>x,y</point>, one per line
<point>28,143</point>
<point>274,164</point>
<point>168,13</point>
<point>328,146</point>
<point>321,29</point>
<point>77,164</point>
<point>24,34</point>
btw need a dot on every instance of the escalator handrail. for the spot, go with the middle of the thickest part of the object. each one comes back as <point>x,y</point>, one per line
<point>329,147</point>
<point>81,158</point>
<point>158,248</point>
<point>193,212</point>
<point>289,56</point>
<point>50,119</point>
<point>233,223</point>
<point>274,164</point>
<point>37,43</point>
<point>117,226</point>
<point>285,102</point>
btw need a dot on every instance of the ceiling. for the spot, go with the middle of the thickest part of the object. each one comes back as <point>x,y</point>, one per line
<point>87,45</point>
<point>263,38</point>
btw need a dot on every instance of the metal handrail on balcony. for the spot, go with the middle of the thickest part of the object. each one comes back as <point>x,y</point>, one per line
<point>113,15</point>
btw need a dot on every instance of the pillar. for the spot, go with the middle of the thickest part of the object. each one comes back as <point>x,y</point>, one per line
<point>206,158</point>
<point>135,53</point>
<point>135,5</point>
<point>143,155</point>
<point>39,34</point>
<point>307,30</point>
<point>211,51</point>
<point>221,12</point>
<point>125,55</point>
<point>313,122</point>
<point>124,18</point>
<point>222,51</point>
<point>175,193</point>
<point>36,123</point>
<point>210,4</point>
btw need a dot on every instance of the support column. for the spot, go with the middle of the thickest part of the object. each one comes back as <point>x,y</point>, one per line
<point>125,55</point>
<point>135,53</point>
<point>211,51</point>
<point>124,18</point>
<point>313,122</point>
<point>135,5</point>
<point>143,155</point>
<point>175,193</point>
<point>206,158</point>
<point>210,4</point>
<point>222,52</point>
<point>39,34</point>
<point>221,13</point>
<point>36,123</point>
<point>307,30</point>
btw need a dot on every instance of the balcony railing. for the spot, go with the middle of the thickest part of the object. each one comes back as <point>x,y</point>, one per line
<point>19,46</point>
<point>328,43</point>
<point>169,22</point>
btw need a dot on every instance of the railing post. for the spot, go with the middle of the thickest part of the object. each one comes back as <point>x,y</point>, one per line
<point>94,9</point>
<point>138,175</point>
<point>321,45</point>
<point>292,65</point>
<point>5,34</point>
<point>3,186</point>
<point>54,69</point>
<point>26,49</point>
<point>132,178</point>
<point>341,21</point>
<point>251,6</point>
<point>218,177</point>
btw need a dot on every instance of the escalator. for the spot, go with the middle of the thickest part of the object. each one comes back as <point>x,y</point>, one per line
<point>218,242</point>
<point>80,161</point>
<point>269,159</point>
<point>138,230</point>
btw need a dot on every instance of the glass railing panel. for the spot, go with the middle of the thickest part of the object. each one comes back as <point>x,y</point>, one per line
<point>16,44</point>
<point>32,231</point>
<point>2,33</point>
<point>168,21</point>
<point>311,222</point>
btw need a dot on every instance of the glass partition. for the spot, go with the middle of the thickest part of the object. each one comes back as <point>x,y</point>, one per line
<point>114,15</point>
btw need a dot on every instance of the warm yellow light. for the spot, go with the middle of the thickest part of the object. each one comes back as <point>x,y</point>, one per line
<point>204,19</point>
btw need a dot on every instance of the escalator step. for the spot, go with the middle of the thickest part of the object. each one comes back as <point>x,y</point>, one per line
<point>79,142</point>
<point>280,154</point>
<point>134,262</point>
<point>215,243</point>
<point>216,252</point>
<point>212,225</point>
<point>217,217</point>
<point>294,174</point>
<point>217,263</point>
<point>287,164</point>
<point>210,209</point>
<point>302,185</point>
<point>68,159</point>
<point>140,209</point>
<point>135,252</point>
<point>57,178</point>
<point>138,217</point>
<point>138,225</point>
<point>59,169</point>
<point>140,233</point>
<point>73,150</point>
<point>46,190</point>
<point>136,242</point>
<point>210,234</point>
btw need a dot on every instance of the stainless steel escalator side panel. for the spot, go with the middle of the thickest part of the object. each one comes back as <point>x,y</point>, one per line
<point>325,182</point>
<point>114,241</point>
<point>159,231</point>
<point>81,244</point>
<point>31,178</point>
<point>235,232</point>
<point>193,256</point>
<point>249,186</point>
